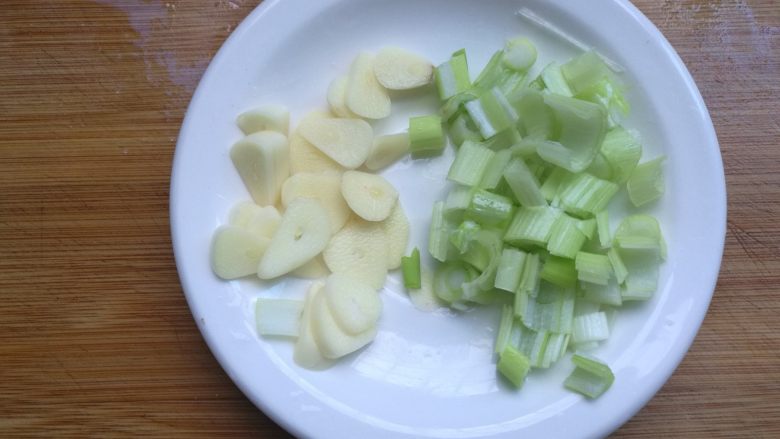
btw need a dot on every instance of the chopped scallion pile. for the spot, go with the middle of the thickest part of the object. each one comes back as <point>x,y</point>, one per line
<point>526,225</point>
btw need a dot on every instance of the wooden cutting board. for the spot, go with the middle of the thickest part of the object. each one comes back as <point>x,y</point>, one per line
<point>95,336</point>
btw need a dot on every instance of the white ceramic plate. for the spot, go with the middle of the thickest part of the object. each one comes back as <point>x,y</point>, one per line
<point>433,374</point>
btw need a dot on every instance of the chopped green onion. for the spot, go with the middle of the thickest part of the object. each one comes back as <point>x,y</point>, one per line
<point>609,294</point>
<point>504,328</point>
<point>590,327</point>
<point>497,75</point>
<point>462,129</point>
<point>492,72</point>
<point>646,183</point>
<point>484,282</point>
<point>479,255</point>
<point>278,317</point>
<point>582,126</point>
<point>585,71</point>
<point>525,148</point>
<point>495,169</point>
<point>510,269</point>
<point>537,84</point>
<point>529,281</point>
<point>489,208</point>
<point>590,377</point>
<point>537,347</point>
<point>522,299</point>
<point>438,242</point>
<point>454,105</point>
<point>621,150</point>
<point>470,163</point>
<point>538,167</point>
<point>642,233</point>
<point>523,183</point>
<point>551,310</point>
<point>426,136</point>
<point>639,246</point>
<point>566,239</point>
<point>553,182</point>
<point>410,268</point>
<point>538,121</point>
<point>532,226</point>
<point>642,279</point>
<point>587,227</point>
<point>591,79</point>
<point>593,268</point>
<point>602,226</point>
<point>600,168</point>
<point>519,54</point>
<point>463,236</point>
<point>513,365</point>
<point>582,307</point>
<point>585,194</point>
<point>491,112</point>
<point>504,139</point>
<point>556,347</point>
<point>559,271</point>
<point>618,267</point>
<point>554,80</point>
<point>452,77</point>
<point>448,280</point>
<point>457,201</point>
<point>609,95</point>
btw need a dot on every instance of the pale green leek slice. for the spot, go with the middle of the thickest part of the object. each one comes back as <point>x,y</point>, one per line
<point>470,163</point>
<point>554,80</point>
<point>646,183</point>
<point>593,268</point>
<point>410,269</point>
<point>532,226</point>
<point>426,136</point>
<point>513,365</point>
<point>452,77</point>
<point>510,269</point>
<point>586,195</point>
<point>590,377</point>
<point>581,129</point>
<point>523,183</point>
<point>622,150</point>
<point>566,238</point>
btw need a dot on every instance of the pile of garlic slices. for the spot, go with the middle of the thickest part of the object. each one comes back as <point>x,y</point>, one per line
<point>319,212</point>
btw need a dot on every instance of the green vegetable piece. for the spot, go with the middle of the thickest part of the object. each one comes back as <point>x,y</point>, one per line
<point>566,238</point>
<point>410,269</point>
<point>470,163</point>
<point>646,183</point>
<point>554,80</point>
<point>590,377</point>
<point>532,226</point>
<point>559,271</point>
<point>489,208</point>
<point>510,269</point>
<point>452,77</point>
<point>513,365</point>
<point>426,136</point>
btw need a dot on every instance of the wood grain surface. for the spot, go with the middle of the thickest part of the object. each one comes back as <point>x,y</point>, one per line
<point>95,336</point>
